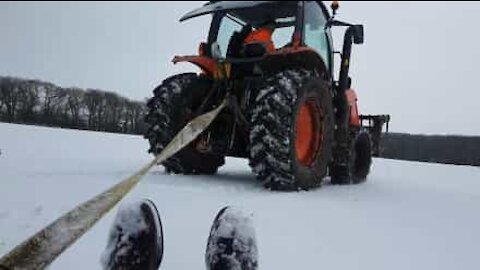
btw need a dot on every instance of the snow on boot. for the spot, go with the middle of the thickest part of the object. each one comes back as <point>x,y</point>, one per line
<point>232,243</point>
<point>136,238</point>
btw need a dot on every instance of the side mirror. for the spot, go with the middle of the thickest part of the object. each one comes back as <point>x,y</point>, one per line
<point>355,30</point>
<point>358,34</point>
<point>334,6</point>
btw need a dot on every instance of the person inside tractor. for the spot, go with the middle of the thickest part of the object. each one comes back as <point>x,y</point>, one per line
<point>252,42</point>
<point>263,35</point>
<point>256,31</point>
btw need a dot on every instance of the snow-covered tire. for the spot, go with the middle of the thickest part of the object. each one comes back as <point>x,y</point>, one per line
<point>359,162</point>
<point>169,110</point>
<point>361,158</point>
<point>274,154</point>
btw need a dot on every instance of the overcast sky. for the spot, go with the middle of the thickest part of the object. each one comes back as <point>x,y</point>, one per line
<point>419,61</point>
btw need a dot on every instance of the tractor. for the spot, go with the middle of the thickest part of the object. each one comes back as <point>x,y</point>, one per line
<point>273,63</point>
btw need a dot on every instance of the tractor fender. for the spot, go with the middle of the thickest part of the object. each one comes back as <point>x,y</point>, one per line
<point>206,64</point>
<point>295,57</point>
<point>353,107</point>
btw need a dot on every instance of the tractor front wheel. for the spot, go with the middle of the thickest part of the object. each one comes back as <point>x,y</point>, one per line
<point>169,110</point>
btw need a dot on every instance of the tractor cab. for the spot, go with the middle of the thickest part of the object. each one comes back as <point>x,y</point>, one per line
<point>269,33</point>
<point>230,29</point>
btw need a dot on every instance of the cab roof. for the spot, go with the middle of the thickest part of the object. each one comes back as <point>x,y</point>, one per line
<point>226,6</point>
<point>263,10</point>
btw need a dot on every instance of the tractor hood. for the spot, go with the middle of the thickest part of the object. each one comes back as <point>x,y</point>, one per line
<point>222,6</point>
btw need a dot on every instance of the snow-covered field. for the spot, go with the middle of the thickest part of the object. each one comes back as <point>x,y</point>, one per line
<point>407,216</point>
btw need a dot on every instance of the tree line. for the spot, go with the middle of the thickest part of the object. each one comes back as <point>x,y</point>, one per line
<point>458,150</point>
<point>42,103</point>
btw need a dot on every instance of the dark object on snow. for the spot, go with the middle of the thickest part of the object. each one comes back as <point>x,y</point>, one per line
<point>374,125</point>
<point>136,238</point>
<point>232,243</point>
<point>361,158</point>
<point>446,149</point>
<point>359,163</point>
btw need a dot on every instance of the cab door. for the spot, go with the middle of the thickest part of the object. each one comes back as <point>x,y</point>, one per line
<point>315,34</point>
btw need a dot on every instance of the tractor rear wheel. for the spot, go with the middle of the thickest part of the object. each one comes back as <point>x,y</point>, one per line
<point>292,130</point>
<point>169,110</point>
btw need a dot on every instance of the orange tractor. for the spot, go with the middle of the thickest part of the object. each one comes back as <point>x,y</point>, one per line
<point>273,62</point>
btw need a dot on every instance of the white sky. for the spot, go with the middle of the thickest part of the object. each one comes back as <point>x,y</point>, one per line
<point>418,63</point>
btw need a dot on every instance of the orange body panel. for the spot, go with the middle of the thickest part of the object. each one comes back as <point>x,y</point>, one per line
<point>309,133</point>
<point>352,104</point>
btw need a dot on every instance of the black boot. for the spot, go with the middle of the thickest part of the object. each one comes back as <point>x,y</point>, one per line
<point>232,243</point>
<point>136,238</point>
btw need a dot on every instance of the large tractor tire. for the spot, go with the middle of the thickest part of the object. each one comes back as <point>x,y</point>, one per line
<point>292,125</point>
<point>359,162</point>
<point>171,108</point>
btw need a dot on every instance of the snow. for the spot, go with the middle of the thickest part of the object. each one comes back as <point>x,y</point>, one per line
<point>407,216</point>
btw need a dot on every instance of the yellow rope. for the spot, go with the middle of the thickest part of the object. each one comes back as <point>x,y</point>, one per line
<point>41,249</point>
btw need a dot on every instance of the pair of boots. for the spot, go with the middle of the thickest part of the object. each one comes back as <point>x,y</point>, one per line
<point>136,240</point>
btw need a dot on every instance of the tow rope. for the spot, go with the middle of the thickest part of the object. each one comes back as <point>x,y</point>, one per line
<point>41,249</point>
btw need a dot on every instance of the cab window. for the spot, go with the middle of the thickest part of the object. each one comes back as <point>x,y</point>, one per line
<point>227,27</point>
<point>315,35</point>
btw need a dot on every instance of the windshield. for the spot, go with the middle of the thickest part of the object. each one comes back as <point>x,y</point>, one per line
<point>280,16</point>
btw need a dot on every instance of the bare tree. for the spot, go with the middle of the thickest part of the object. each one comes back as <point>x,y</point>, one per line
<point>113,111</point>
<point>93,101</point>
<point>44,103</point>
<point>137,114</point>
<point>28,100</point>
<point>9,95</point>
<point>2,102</point>
<point>48,107</point>
<point>55,108</point>
<point>75,104</point>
